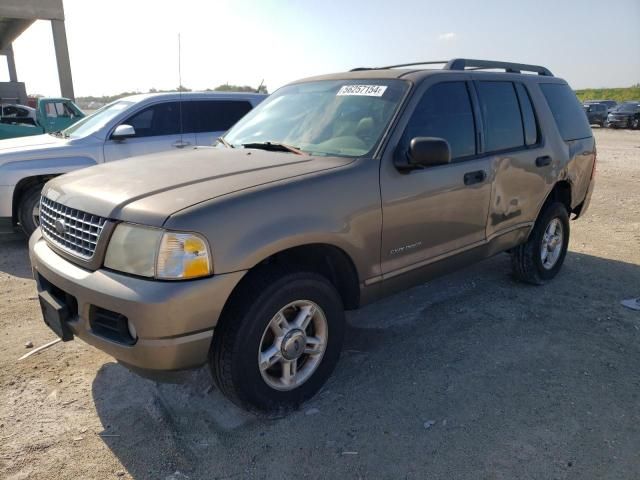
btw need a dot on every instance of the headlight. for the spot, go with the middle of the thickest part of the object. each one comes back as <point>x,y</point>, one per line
<point>153,252</point>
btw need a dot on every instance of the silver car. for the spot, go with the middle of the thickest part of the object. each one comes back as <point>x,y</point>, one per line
<point>132,126</point>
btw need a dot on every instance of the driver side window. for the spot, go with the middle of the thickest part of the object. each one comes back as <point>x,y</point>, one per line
<point>156,120</point>
<point>445,112</point>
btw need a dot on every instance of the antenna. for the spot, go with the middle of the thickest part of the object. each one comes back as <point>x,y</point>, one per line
<point>260,86</point>
<point>180,86</point>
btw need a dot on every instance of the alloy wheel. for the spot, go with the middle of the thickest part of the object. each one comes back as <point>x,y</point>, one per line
<point>292,345</point>
<point>552,241</point>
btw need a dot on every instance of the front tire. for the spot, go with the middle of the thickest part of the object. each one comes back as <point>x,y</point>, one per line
<point>279,340</point>
<point>635,124</point>
<point>540,258</point>
<point>29,210</point>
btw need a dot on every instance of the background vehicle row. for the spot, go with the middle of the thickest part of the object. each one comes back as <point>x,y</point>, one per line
<point>129,127</point>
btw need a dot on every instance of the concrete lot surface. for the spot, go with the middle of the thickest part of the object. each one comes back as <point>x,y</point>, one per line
<point>470,376</point>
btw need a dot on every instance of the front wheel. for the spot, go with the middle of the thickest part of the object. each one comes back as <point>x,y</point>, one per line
<point>279,341</point>
<point>635,123</point>
<point>29,210</point>
<point>540,258</point>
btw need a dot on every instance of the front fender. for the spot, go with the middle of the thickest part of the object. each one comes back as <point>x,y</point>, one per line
<point>12,172</point>
<point>258,244</point>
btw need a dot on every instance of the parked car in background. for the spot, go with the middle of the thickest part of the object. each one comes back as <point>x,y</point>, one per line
<point>626,115</point>
<point>50,115</point>
<point>11,112</point>
<point>611,104</point>
<point>246,255</point>
<point>131,126</point>
<point>596,113</point>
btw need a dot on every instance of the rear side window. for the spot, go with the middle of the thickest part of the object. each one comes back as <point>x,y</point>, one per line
<point>501,115</point>
<point>156,120</point>
<point>216,115</point>
<point>567,111</point>
<point>445,112</point>
<point>528,116</point>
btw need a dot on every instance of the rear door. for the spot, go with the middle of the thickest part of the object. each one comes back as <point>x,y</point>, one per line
<point>513,142</point>
<point>437,211</point>
<point>212,118</point>
<point>158,128</point>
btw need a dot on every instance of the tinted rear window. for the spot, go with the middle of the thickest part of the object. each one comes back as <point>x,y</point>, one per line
<point>216,115</point>
<point>501,114</point>
<point>567,111</point>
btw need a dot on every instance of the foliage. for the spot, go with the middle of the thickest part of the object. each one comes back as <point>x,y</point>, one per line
<point>617,94</point>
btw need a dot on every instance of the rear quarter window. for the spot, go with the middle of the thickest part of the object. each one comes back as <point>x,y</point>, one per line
<point>567,111</point>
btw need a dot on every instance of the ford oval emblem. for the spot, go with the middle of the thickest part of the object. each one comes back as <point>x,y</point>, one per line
<point>61,228</point>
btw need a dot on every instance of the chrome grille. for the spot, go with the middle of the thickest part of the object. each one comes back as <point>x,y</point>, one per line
<point>71,230</point>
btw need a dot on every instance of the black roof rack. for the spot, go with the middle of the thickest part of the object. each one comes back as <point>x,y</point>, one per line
<point>473,64</point>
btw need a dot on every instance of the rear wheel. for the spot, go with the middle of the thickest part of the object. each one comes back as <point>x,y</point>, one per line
<point>541,257</point>
<point>29,210</point>
<point>279,341</point>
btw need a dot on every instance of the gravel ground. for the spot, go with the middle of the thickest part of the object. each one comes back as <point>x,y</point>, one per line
<point>469,376</point>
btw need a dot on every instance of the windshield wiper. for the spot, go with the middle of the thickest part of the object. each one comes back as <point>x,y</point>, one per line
<point>56,134</point>
<point>224,142</point>
<point>274,147</point>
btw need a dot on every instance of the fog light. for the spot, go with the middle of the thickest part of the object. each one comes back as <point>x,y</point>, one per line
<point>132,330</point>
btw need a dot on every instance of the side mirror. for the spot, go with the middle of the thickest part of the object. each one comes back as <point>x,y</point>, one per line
<point>424,152</point>
<point>123,131</point>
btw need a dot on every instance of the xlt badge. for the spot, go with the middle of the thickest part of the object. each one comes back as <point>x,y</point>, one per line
<point>404,249</point>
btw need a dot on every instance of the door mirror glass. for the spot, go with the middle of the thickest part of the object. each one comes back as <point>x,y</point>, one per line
<point>426,152</point>
<point>123,131</point>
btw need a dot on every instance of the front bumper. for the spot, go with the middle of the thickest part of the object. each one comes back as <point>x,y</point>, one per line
<point>174,321</point>
<point>6,209</point>
<point>622,123</point>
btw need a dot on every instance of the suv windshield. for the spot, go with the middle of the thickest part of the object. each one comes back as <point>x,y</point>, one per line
<point>92,123</point>
<point>330,117</point>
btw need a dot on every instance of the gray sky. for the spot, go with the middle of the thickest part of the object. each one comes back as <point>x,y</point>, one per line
<point>119,45</point>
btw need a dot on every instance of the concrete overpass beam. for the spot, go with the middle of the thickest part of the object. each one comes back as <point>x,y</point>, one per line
<point>62,58</point>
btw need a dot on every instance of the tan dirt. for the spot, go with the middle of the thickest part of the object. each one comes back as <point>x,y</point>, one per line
<point>469,376</point>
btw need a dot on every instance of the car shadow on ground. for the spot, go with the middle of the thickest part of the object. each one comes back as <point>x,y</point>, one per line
<point>14,255</point>
<point>463,346</point>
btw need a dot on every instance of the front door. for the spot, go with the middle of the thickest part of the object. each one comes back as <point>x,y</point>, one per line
<point>158,129</point>
<point>433,212</point>
<point>57,114</point>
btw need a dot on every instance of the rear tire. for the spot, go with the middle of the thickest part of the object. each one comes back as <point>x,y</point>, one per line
<point>29,210</point>
<point>540,258</point>
<point>266,364</point>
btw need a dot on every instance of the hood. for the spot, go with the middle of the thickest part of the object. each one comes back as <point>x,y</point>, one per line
<point>148,189</point>
<point>30,147</point>
<point>30,142</point>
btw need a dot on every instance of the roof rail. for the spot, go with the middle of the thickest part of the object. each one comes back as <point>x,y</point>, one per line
<point>471,64</point>
<point>509,67</point>
<point>358,69</point>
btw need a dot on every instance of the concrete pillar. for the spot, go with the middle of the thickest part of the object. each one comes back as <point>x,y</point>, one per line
<point>62,58</point>
<point>11,63</point>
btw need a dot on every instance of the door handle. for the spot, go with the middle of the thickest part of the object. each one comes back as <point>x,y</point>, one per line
<point>478,176</point>
<point>543,161</point>
<point>180,144</point>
